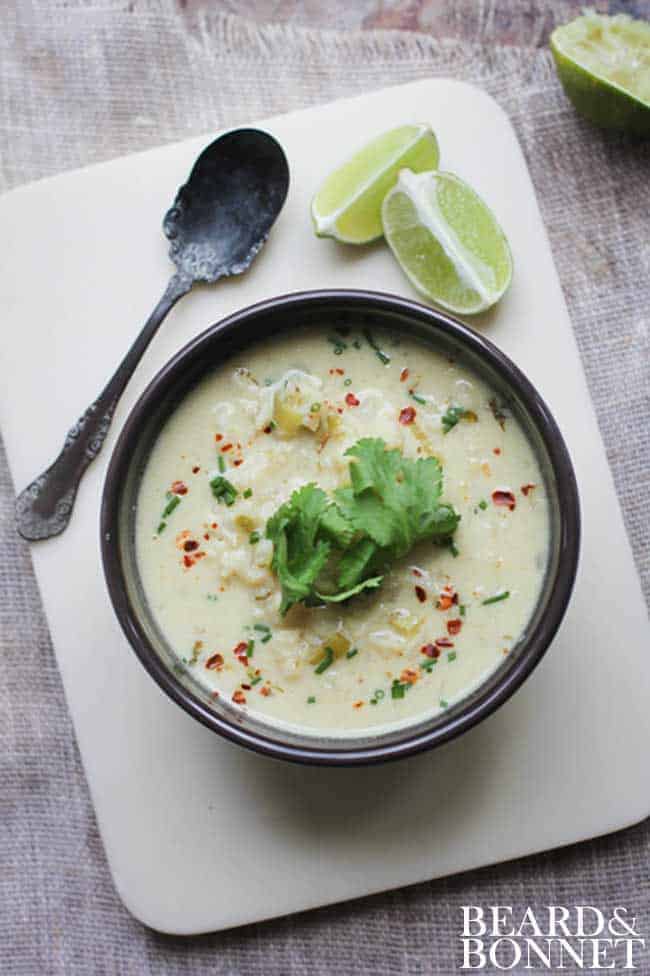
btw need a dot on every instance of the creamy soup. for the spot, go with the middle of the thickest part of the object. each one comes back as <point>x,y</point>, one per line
<point>281,415</point>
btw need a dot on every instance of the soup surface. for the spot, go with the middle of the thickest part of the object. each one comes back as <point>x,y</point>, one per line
<point>281,415</point>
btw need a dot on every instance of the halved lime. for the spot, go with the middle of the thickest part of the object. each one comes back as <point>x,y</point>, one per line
<point>447,241</point>
<point>604,66</point>
<point>348,204</point>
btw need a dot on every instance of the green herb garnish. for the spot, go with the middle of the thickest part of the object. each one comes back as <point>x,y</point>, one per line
<point>451,656</point>
<point>398,689</point>
<point>417,397</point>
<point>311,700</point>
<point>352,652</point>
<point>461,609</point>
<point>496,599</point>
<point>248,492</point>
<point>338,343</point>
<point>381,355</point>
<point>330,549</point>
<point>221,463</point>
<point>451,418</point>
<point>325,663</point>
<point>161,527</point>
<point>377,696</point>
<point>173,503</point>
<point>255,681</point>
<point>254,537</point>
<point>482,504</point>
<point>347,382</point>
<point>223,490</point>
<point>315,407</point>
<point>262,628</point>
<point>250,649</point>
<point>443,703</point>
<point>429,664</point>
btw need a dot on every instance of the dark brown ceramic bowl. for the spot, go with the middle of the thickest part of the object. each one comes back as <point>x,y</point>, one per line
<point>203,354</point>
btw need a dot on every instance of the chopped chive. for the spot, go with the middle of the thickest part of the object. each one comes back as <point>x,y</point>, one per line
<point>263,628</point>
<point>256,681</point>
<point>266,638</point>
<point>397,689</point>
<point>248,493</point>
<point>223,490</point>
<point>497,598</point>
<point>173,503</point>
<point>429,664</point>
<point>382,356</point>
<point>315,407</point>
<point>250,649</point>
<point>254,537</point>
<point>451,418</point>
<point>482,504</point>
<point>212,597</point>
<point>347,382</point>
<point>272,425</point>
<point>461,609</point>
<point>379,694</point>
<point>221,462</point>
<point>311,700</point>
<point>454,548</point>
<point>355,650</point>
<point>338,343</point>
<point>451,656</point>
<point>161,527</point>
<point>443,703</point>
<point>417,397</point>
<point>325,663</point>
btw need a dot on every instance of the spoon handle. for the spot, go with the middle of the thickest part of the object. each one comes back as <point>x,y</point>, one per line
<point>44,508</point>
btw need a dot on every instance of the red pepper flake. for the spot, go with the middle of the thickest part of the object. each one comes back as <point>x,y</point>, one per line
<point>496,450</point>
<point>448,597</point>
<point>421,593</point>
<point>199,555</point>
<point>215,525</point>
<point>409,676</point>
<point>246,687</point>
<point>351,400</point>
<point>218,437</point>
<point>190,545</point>
<point>226,447</point>
<point>454,626</point>
<point>416,572</point>
<point>505,499</point>
<point>214,663</point>
<point>265,690</point>
<point>357,704</point>
<point>430,650</point>
<point>196,469</point>
<point>268,429</point>
<point>189,561</point>
<point>206,536</point>
<point>240,652</point>
<point>339,409</point>
<point>239,697</point>
<point>237,462</point>
<point>526,489</point>
<point>443,642</point>
<point>407,415</point>
<point>404,375</point>
<point>179,488</point>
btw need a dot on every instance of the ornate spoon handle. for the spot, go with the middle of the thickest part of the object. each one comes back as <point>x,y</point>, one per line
<point>44,508</point>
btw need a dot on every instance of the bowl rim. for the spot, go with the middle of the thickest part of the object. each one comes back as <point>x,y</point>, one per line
<point>411,741</point>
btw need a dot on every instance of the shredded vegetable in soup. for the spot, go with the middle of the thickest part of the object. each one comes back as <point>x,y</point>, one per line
<point>342,530</point>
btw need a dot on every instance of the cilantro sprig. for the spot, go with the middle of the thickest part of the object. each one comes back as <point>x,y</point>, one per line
<point>330,549</point>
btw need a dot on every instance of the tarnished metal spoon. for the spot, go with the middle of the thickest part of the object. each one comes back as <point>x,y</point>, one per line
<point>218,222</point>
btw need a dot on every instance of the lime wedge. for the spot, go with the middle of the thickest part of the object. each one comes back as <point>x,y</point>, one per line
<point>348,204</point>
<point>447,241</point>
<point>604,65</point>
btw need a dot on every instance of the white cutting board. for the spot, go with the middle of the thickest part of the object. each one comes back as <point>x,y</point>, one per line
<point>201,834</point>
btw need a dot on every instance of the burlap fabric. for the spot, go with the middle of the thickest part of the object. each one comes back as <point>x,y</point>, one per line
<point>83,81</point>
